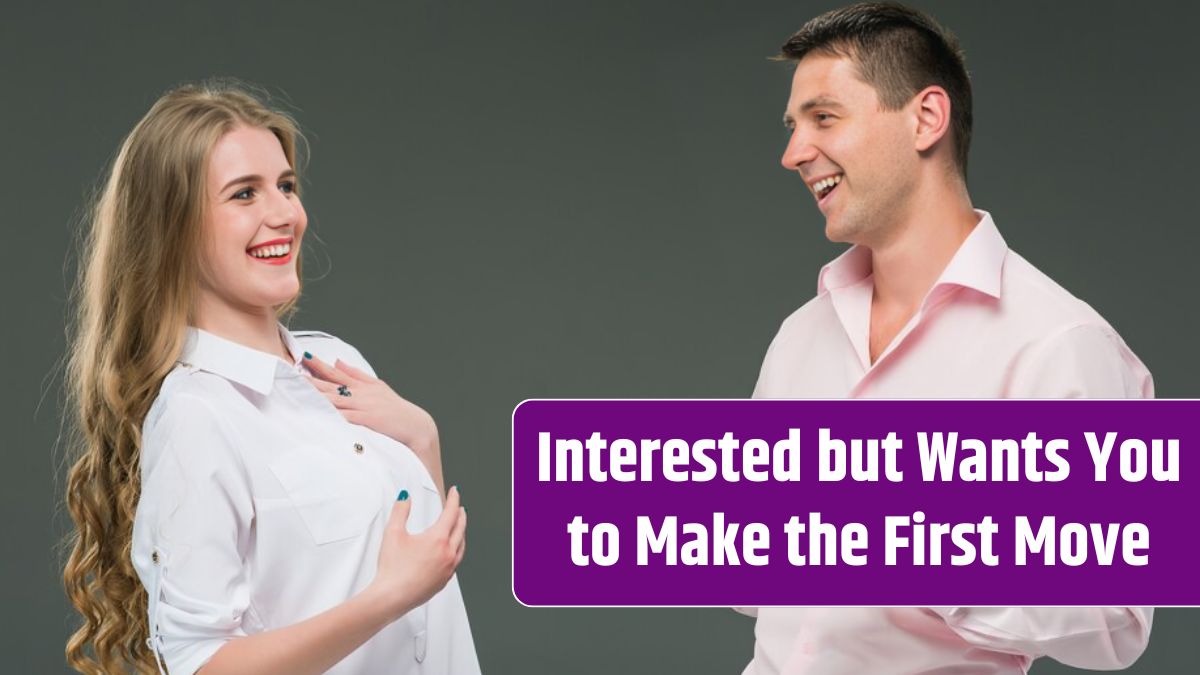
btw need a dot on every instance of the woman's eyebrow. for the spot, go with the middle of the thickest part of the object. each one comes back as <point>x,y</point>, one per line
<point>251,178</point>
<point>255,178</point>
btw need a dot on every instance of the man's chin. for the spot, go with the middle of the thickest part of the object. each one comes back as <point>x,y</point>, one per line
<point>835,233</point>
<point>842,230</point>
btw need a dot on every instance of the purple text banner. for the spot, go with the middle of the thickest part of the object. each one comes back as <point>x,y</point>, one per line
<point>856,502</point>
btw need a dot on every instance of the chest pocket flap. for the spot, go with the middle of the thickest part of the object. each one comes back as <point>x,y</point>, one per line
<point>333,501</point>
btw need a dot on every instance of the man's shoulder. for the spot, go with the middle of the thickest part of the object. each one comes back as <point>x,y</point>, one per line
<point>1067,349</point>
<point>816,312</point>
<point>1041,304</point>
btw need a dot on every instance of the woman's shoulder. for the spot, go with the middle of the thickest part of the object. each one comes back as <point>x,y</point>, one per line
<point>186,392</point>
<point>330,348</point>
<point>192,408</point>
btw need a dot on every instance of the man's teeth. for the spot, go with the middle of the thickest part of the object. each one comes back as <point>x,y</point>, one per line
<point>275,251</point>
<point>826,184</point>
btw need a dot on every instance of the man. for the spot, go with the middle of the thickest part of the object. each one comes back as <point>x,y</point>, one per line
<point>929,302</point>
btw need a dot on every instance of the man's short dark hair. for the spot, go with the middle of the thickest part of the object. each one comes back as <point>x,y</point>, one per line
<point>899,51</point>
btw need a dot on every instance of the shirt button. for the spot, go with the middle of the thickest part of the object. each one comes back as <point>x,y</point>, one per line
<point>358,448</point>
<point>154,557</point>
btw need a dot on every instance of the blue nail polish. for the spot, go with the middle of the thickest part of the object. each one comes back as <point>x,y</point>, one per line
<point>307,355</point>
<point>403,496</point>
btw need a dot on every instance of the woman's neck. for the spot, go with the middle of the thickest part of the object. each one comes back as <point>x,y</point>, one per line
<point>257,330</point>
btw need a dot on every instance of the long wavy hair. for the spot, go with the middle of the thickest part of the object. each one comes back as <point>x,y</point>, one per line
<point>139,261</point>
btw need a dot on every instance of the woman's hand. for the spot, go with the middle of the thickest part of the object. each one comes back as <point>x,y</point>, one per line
<point>413,567</point>
<point>369,401</point>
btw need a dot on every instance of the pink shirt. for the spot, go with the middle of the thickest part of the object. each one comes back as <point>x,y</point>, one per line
<point>992,326</point>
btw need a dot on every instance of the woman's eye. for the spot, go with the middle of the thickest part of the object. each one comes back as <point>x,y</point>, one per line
<point>288,186</point>
<point>244,194</point>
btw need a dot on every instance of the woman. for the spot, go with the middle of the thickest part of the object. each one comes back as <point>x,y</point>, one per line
<point>242,491</point>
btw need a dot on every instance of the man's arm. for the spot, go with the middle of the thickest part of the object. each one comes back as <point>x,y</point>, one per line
<point>1100,638</point>
<point>1081,361</point>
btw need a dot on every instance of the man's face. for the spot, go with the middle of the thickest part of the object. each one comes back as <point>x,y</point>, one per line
<point>857,160</point>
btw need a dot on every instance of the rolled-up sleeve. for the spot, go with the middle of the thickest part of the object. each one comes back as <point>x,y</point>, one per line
<point>1099,638</point>
<point>191,533</point>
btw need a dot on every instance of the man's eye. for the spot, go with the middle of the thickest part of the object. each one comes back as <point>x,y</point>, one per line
<point>244,194</point>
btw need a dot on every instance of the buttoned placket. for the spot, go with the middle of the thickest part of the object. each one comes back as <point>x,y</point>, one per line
<point>359,450</point>
<point>351,441</point>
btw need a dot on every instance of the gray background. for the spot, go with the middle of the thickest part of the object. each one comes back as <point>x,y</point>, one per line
<point>563,199</point>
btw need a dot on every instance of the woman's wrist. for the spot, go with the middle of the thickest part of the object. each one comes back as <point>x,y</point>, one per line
<point>426,446</point>
<point>427,441</point>
<point>431,457</point>
<point>382,604</point>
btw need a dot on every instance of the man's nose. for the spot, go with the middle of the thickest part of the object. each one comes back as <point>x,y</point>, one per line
<point>799,151</point>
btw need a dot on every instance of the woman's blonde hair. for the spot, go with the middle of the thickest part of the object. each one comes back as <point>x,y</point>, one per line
<point>139,266</point>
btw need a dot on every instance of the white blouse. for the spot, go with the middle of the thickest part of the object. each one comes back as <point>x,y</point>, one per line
<point>262,506</point>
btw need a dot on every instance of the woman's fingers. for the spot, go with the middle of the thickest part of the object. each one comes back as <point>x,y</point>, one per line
<point>446,520</point>
<point>458,535</point>
<point>322,385</point>
<point>332,392</point>
<point>398,522</point>
<point>352,371</point>
<point>325,371</point>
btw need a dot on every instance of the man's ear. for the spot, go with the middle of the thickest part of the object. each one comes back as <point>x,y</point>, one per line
<point>933,116</point>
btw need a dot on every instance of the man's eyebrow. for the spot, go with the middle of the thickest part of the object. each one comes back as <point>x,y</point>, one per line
<point>820,101</point>
<point>255,178</point>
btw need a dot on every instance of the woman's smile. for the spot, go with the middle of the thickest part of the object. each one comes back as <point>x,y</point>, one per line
<point>274,252</point>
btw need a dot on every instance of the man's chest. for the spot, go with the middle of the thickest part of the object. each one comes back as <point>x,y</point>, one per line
<point>966,357</point>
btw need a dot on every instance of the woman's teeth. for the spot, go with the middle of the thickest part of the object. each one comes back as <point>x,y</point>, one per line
<point>823,186</point>
<point>276,251</point>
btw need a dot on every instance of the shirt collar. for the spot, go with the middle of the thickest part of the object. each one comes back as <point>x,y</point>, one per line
<point>236,362</point>
<point>978,263</point>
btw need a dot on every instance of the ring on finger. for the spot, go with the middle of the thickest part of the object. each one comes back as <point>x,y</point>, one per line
<point>343,390</point>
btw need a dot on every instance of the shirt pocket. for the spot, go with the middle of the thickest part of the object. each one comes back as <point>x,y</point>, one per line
<point>333,501</point>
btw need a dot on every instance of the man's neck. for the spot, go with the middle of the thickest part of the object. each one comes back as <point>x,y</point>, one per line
<point>906,264</point>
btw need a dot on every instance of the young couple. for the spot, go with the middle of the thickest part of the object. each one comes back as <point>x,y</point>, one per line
<point>252,499</point>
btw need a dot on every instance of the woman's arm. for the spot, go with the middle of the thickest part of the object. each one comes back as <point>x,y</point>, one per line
<point>431,456</point>
<point>412,568</point>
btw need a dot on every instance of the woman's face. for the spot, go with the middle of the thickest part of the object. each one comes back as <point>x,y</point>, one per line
<point>253,226</point>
